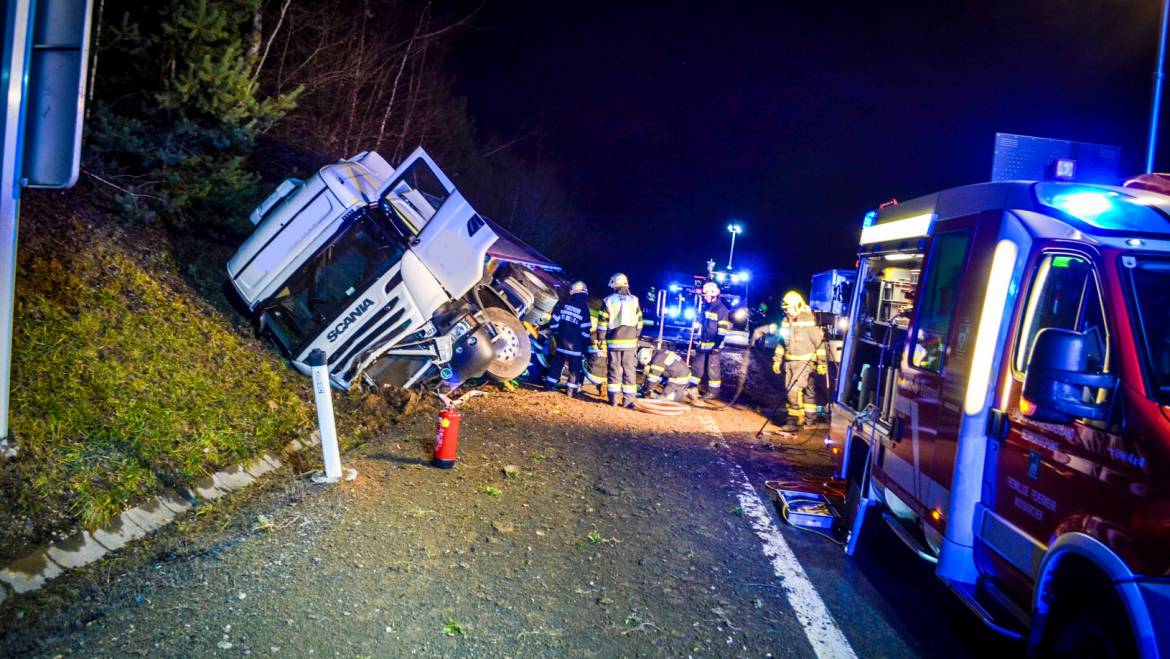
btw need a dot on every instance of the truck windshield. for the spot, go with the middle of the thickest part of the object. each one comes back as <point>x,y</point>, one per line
<point>327,284</point>
<point>1150,287</point>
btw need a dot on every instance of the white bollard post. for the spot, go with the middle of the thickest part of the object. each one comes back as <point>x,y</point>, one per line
<point>324,396</point>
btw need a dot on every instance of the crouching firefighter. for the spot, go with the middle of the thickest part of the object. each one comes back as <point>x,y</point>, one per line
<point>620,322</point>
<point>667,368</point>
<point>571,327</point>
<point>800,356</point>
<point>715,324</point>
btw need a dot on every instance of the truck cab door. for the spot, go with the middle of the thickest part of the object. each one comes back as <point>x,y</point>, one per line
<point>444,231</point>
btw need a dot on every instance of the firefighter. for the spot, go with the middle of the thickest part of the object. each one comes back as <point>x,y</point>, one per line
<point>620,322</point>
<point>799,355</point>
<point>667,368</point>
<point>715,323</point>
<point>571,328</point>
<point>596,354</point>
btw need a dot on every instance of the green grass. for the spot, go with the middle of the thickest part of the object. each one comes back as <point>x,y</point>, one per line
<point>123,386</point>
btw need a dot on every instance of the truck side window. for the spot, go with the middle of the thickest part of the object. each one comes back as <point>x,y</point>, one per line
<point>937,299</point>
<point>1064,295</point>
<point>415,197</point>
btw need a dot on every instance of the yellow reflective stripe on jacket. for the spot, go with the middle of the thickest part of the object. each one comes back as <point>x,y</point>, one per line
<point>802,323</point>
<point>800,358</point>
<point>621,343</point>
<point>682,379</point>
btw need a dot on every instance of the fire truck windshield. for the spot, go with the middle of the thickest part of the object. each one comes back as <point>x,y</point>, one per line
<point>330,282</point>
<point>1150,300</point>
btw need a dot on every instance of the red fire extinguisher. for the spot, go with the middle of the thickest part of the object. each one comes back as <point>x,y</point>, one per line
<point>446,438</point>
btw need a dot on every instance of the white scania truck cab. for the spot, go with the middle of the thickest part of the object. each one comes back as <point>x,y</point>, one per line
<point>393,275</point>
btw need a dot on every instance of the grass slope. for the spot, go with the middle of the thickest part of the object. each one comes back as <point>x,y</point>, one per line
<point>124,381</point>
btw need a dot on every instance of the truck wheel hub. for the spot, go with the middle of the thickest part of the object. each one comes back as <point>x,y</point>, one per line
<point>506,343</point>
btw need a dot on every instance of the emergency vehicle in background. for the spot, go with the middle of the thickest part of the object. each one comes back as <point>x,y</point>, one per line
<point>393,274</point>
<point>1004,402</point>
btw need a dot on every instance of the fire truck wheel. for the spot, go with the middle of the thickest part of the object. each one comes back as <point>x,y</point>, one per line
<point>1086,627</point>
<point>513,349</point>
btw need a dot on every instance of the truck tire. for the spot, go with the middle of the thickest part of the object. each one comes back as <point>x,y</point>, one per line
<point>513,349</point>
<point>1084,632</point>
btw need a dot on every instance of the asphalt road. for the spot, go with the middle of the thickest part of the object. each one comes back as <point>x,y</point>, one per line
<point>566,529</point>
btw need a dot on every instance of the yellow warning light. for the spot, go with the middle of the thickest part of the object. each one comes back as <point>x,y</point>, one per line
<point>935,515</point>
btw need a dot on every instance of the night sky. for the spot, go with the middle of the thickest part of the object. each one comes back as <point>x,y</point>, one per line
<point>666,121</point>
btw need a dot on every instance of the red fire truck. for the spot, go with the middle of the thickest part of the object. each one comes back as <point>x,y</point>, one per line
<point>1004,405</point>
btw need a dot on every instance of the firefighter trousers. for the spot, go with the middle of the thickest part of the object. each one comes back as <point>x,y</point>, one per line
<point>557,364</point>
<point>622,377</point>
<point>707,364</point>
<point>800,379</point>
<point>595,367</point>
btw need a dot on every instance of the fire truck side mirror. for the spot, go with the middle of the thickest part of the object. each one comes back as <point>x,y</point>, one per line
<point>1058,387</point>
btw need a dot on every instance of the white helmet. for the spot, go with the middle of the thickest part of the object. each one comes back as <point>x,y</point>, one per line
<point>619,280</point>
<point>710,288</point>
<point>578,287</point>
<point>645,355</point>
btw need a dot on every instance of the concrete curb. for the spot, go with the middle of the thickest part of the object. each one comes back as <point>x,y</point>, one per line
<point>85,547</point>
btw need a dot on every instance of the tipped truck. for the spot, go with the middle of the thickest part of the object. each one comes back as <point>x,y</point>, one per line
<point>393,274</point>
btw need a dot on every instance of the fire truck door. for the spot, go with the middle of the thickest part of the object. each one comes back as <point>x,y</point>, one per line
<point>1046,473</point>
<point>920,392</point>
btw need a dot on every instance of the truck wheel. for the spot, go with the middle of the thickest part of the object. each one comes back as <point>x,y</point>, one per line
<point>1087,633</point>
<point>511,344</point>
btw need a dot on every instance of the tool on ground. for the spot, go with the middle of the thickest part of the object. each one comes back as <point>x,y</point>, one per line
<point>806,505</point>
<point>447,431</point>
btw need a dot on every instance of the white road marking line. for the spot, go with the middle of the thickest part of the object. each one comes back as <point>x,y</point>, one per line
<point>820,628</point>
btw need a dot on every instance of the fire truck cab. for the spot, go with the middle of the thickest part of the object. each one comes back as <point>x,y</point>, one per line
<point>1004,405</point>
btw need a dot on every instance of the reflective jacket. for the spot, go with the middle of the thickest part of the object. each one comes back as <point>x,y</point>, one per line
<point>801,339</point>
<point>571,325</point>
<point>716,323</point>
<point>620,321</point>
<point>667,364</point>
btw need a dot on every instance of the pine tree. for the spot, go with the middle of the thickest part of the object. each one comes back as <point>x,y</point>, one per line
<point>179,109</point>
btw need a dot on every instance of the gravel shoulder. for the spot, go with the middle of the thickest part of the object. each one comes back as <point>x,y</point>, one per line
<point>617,535</point>
<point>566,528</point>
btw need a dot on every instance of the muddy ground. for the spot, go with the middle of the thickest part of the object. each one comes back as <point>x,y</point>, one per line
<point>566,528</point>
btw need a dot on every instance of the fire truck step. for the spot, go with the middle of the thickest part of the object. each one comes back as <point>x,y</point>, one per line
<point>970,595</point>
<point>907,536</point>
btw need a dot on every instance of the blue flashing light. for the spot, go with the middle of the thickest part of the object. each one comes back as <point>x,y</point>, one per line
<point>1087,205</point>
<point>1104,209</point>
<point>870,219</point>
<point>735,278</point>
<point>745,276</point>
<point>674,288</point>
<point>672,312</point>
<point>689,314</point>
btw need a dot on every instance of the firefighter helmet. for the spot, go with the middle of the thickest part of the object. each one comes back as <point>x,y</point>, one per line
<point>578,287</point>
<point>792,302</point>
<point>619,280</point>
<point>645,355</point>
<point>710,288</point>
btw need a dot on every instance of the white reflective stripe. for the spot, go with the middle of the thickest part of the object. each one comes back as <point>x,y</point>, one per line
<point>911,227</point>
<point>571,353</point>
<point>821,630</point>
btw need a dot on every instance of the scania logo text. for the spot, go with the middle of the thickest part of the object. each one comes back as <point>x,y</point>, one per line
<point>350,319</point>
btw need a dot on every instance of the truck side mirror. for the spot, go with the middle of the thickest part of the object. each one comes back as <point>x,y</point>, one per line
<point>1058,377</point>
